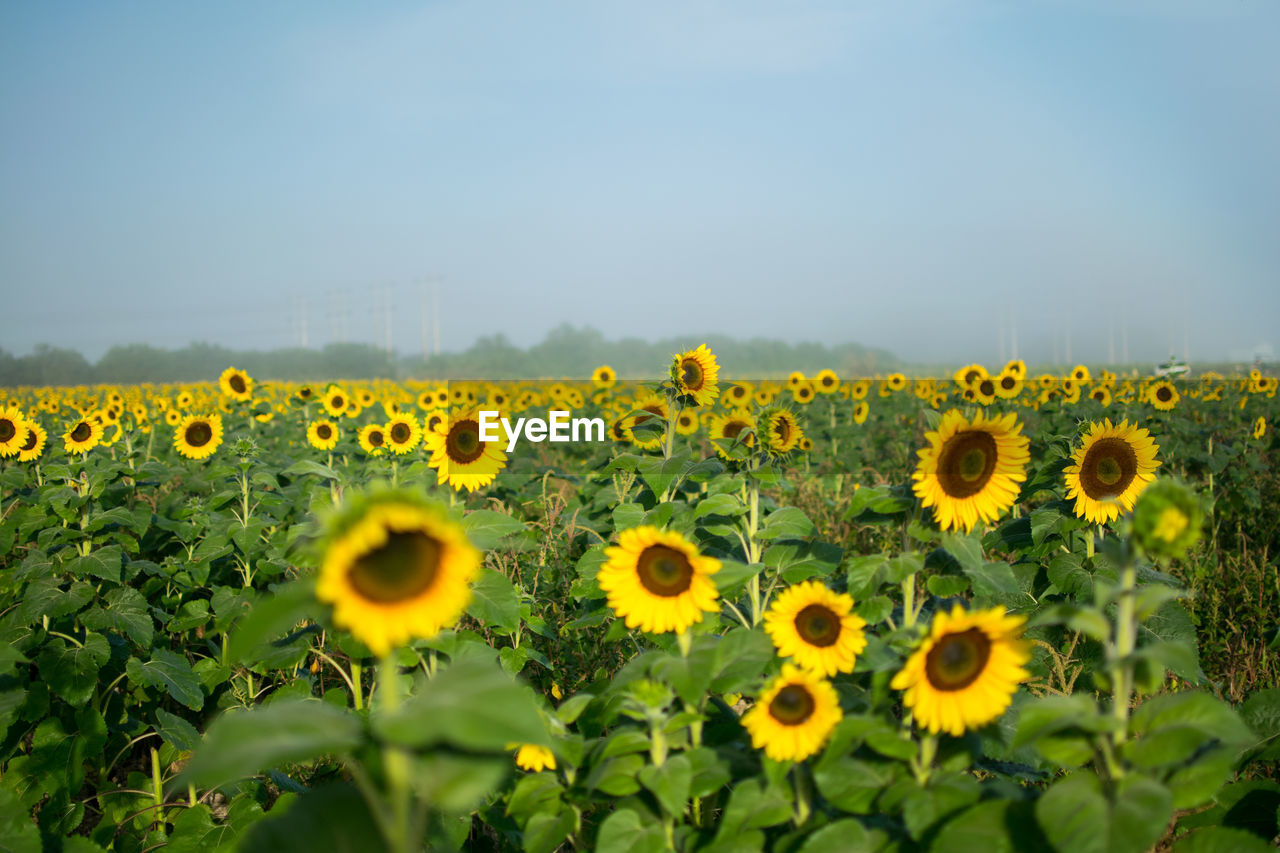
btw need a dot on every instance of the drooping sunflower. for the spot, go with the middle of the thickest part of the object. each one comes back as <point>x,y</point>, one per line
<point>396,569</point>
<point>817,628</point>
<point>84,435</point>
<point>1163,396</point>
<point>198,436</point>
<point>459,455</point>
<point>402,433</point>
<point>604,376</point>
<point>13,431</point>
<point>965,672</point>
<point>657,580</point>
<point>695,374</point>
<point>1259,427</point>
<point>1111,468</point>
<point>236,384</point>
<point>780,430</point>
<point>794,716</point>
<point>322,435</point>
<point>971,469</point>
<point>373,439</point>
<point>33,447</point>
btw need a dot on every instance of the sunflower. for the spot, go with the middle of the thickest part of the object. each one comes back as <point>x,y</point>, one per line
<point>1017,367</point>
<point>460,457</point>
<point>604,376</point>
<point>695,373</point>
<point>186,400</point>
<point>83,436</point>
<point>965,672</point>
<point>737,394</point>
<point>817,628</point>
<point>534,758</point>
<point>794,716</point>
<point>1102,394</point>
<point>335,401</point>
<point>322,435</point>
<point>1259,427</point>
<point>1110,470</point>
<point>969,374</point>
<point>795,378</point>
<point>1008,385</point>
<point>860,412</point>
<point>173,417</point>
<point>33,447</point>
<point>1080,373</point>
<point>803,392</point>
<point>402,433</point>
<point>1163,396</point>
<point>198,436</point>
<point>395,570</point>
<point>781,431</point>
<point>13,431</point>
<point>734,430</point>
<point>984,391</point>
<point>656,407</point>
<point>373,439</point>
<point>687,422</point>
<point>657,581</point>
<point>826,382</point>
<point>236,384</point>
<point>971,469</point>
<point>858,390</point>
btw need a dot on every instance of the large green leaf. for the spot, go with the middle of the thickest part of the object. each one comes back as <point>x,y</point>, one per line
<point>170,672</point>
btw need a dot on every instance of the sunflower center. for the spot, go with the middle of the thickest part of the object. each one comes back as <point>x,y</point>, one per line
<point>1164,395</point>
<point>199,434</point>
<point>1108,469</point>
<point>956,660</point>
<point>400,433</point>
<point>31,440</point>
<point>464,444</point>
<point>324,432</point>
<point>782,430</point>
<point>375,437</point>
<point>986,387</point>
<point>337,401</point>
<point>1008,382</point>
<point>8,429</point>
<point>690,374</point>
<point>403,567</point>
<point>827,382</point>
<point>732,428</point>
<point>818,625</point>
<point>664,571</point>
<point>792,706</point>
<point>237,384</point>
<point>82,431</point>
<point>967,462</point>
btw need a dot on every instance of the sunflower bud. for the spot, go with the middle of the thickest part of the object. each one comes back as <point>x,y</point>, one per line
<point>1167,521</point>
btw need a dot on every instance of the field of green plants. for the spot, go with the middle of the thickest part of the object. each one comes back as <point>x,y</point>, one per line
<point>994,611</point>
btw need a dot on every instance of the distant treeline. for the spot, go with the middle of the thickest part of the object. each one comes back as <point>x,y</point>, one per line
<point>566,352</point>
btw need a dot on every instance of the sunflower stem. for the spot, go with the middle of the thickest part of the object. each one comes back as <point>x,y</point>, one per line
<point>922,764</point>
<point>909,601</point>
<point>395,759</point>
<point>1126,640</point>
<point>685,640</point>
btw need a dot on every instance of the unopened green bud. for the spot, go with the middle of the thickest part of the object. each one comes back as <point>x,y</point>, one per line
<point>1167,520</point>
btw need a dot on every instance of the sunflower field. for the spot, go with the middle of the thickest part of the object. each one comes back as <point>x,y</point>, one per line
<point>990,611</point>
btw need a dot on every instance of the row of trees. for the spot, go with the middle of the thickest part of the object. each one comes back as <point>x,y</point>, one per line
<point>566,352</point>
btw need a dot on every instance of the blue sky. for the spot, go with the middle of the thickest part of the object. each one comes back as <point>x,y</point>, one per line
<point>914,176</point>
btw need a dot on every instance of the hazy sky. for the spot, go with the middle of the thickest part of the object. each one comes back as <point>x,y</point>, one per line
<point>906,175</point>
